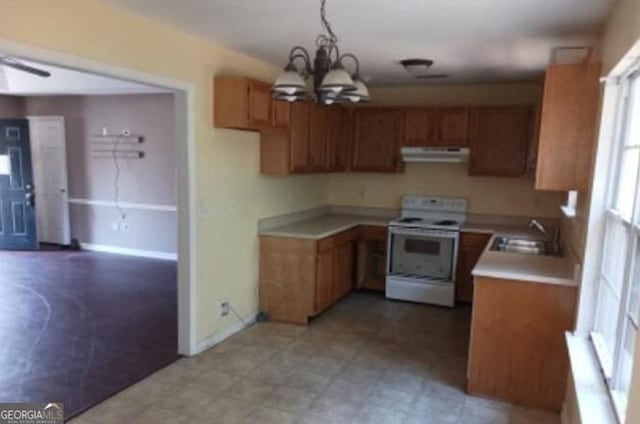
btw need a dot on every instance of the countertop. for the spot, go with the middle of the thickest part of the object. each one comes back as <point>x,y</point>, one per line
<point>501,265</point>
<point>514,266</point>
<point>323,226</point>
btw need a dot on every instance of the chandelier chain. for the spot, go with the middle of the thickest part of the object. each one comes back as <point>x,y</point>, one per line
<point>325,23</point>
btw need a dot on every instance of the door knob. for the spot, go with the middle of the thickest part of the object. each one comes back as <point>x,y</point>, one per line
<point>30,199</point>
<point>63,190</point>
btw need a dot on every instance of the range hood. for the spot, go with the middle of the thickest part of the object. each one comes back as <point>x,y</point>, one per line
<point>435,154</point>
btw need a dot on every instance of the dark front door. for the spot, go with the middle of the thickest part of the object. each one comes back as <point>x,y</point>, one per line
<point>17,203</point>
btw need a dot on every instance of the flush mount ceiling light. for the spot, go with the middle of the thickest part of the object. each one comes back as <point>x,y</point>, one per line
<point>332,83</point>
<point>419,68</point>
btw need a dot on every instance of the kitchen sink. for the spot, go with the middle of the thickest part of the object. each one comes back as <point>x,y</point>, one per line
<point>523,245</point>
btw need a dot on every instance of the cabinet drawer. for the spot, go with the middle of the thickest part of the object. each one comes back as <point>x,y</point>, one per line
<point>478,240</point>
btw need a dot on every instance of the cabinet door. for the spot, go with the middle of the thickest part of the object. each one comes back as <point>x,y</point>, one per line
<point>567,125</point>
<point>338,137</point>
<point>499,141</point>
<point>467,260</point>
<point>344,267</point>
<point>472,246</point>
<point>318,138</point>
<point>324,280</point>
<point>453,127</point>
<point>419,128</point>
<point>378,135</point>
<point>280,113</point>
<point>259,103</point>
<point>299,136</point>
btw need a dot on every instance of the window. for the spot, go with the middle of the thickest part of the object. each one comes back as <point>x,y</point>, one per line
<point>618,298</point>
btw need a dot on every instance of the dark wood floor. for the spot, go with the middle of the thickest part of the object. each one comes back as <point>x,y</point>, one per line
<point>79,326</point>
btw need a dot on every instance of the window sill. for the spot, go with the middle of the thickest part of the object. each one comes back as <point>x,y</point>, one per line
<point>592,397</point>
<point>568,211</point>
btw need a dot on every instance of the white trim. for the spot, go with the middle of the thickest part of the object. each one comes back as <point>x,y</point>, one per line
<point>129,252</point>
<point>597,211</point>
<point>592,395</point>
<point>185,107</point>
<point>124,205</point>
<point>221,336</point>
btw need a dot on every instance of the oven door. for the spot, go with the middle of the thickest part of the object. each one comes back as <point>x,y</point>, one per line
<point>421,253</point>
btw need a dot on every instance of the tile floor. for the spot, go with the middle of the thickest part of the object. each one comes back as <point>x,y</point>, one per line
<point>367,360</point>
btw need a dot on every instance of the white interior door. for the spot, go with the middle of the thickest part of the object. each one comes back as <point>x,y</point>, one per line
<point>49,156</point>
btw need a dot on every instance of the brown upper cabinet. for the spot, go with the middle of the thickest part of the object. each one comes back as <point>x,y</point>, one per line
<point>499,140</point>
<point>318,137</point>
<point>302,146</point>
<point>436,127</point>
<point>567,127</point>
<point>419,127</point>
<point>244,103</point>
<point>377,140</point>
<point>280,113</point>
<point>453,129</point>
<point>298,137</point>
<point>339,136</point>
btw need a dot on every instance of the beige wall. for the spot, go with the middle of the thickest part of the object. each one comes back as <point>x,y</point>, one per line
<point>150,180</point>
<point>504,196</point>
<point>231,195</point>
<point>498,196</point>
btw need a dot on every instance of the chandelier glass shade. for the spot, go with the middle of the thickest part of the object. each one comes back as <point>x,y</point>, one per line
<point>332,83</point>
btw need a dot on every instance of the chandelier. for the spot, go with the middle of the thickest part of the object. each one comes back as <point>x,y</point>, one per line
<point>331,81</point>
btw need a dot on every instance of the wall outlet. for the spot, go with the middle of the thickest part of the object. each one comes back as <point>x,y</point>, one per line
<point>224,308</point>
<point>125,226</point>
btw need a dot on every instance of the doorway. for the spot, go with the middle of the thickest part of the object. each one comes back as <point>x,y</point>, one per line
<point>113,265</point>
<point>50,176</point>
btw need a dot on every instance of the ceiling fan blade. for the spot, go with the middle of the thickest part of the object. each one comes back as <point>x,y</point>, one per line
<point>24,68</point>
<point>432,76</point>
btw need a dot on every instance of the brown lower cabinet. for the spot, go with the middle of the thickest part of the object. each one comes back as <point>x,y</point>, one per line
<point>372,258</point>
<point>517,351</point>
<point>300,278</point>
<point>471,247</point>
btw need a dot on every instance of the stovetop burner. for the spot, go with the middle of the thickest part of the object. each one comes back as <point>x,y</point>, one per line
<point>446,222</point>
<point>410,219</point>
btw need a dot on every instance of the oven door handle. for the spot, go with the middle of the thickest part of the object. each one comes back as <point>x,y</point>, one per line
<point>426,233</point>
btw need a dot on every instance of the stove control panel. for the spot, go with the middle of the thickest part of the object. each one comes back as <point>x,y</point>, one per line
<point>435,204</point>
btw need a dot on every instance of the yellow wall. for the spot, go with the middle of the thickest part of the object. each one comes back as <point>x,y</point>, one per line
<point>227,161</point>
<point>504,196</point>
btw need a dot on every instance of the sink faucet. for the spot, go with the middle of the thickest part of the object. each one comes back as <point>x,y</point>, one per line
<point>553,239</point>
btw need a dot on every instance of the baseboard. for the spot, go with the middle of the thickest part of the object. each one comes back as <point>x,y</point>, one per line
<point>129,252</point>
<point>222,335</point>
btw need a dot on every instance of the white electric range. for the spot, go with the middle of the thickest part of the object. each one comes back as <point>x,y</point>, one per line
<point>423,250</point>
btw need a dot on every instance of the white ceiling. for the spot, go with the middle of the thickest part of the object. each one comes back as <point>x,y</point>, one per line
<point>64,81</point>
<point>473,40</point>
